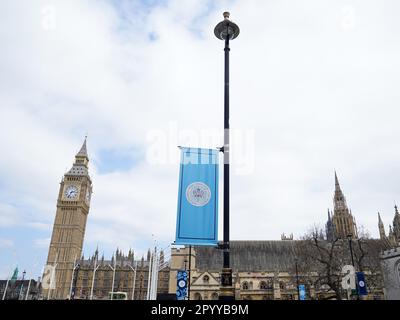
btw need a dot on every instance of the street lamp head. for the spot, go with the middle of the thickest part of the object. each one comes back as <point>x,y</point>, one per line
<point>226,27</point>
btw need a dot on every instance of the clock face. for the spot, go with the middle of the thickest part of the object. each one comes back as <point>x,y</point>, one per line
<point>71,192</point>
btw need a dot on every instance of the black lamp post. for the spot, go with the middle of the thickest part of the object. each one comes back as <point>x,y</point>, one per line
<point>190,268</point>
<point>185,268</point>
<point>297,281</point>
<point>226,30</point>
<point>349,237</point>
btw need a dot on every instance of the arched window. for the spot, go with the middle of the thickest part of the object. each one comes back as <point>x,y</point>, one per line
<point>282,285</point>
<point>263,285</point>
<point>250,285</point>
<point>245,286</point>
<point>214,296</point>
<point>206,279</point>
<point>266,285</point>
<point>197,296</point>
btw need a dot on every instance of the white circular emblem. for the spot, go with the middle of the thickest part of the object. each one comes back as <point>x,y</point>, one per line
<point>182,283</point>
<point>361,283</point>
<point>198,194</point>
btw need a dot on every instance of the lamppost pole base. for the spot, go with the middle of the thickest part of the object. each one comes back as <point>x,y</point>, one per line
<point>227,291</point>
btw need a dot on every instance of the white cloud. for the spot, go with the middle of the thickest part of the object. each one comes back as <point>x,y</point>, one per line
<point>6,243</point>
<point>8,215</point>
<point>316,81</point>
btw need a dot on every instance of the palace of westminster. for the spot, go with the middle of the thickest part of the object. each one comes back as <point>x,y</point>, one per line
<point>261,269</point>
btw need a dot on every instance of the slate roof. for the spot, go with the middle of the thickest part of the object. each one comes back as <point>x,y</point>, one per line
<point>83,151</point>
<point>250,256</point>
<point>271,255</point>
<point>77,168</point>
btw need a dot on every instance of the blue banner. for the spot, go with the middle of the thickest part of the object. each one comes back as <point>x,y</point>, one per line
<point>361,285</point>
<point>197,218</point>
<point>181,284</point>
<point>302,292</point>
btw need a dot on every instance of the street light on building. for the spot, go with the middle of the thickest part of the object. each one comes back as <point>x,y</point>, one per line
<point>226,30</point>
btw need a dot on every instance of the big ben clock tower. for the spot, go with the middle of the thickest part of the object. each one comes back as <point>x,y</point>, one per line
<point>73,205</point>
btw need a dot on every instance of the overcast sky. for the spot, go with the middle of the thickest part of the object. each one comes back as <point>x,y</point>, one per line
<point>314,88</point>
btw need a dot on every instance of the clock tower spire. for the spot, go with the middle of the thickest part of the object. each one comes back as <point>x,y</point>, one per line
<point>66,244</point>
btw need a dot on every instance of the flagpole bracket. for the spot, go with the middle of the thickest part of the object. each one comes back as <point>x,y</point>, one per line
<point>223,245</point>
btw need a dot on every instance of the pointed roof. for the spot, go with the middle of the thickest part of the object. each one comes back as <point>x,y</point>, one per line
<point>148,255</point>
<point>80,166</point>
<point>396,220</point>
<point>337,185</point>
<point>379,219</point>
<point>339,200</point>
<point>15,274</point>
<point>83,151</point>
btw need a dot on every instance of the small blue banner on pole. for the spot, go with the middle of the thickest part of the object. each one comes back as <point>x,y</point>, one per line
<point>197,217</point>
<point>302,291</point>
<point>181,288</point>
<point>362,286</point>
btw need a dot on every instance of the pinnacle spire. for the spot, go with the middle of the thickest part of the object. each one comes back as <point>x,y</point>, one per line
<point>339,200</point>
<point>381,227</point>
<point>80,166</point>
<point>83,151</point>
<point>379,219</point>
<point>337,185</point>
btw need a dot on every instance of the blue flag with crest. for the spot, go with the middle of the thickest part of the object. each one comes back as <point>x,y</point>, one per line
<point>361,285</point>
<point>197,217</point>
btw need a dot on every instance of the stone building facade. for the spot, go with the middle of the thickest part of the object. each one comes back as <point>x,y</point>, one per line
<point>131,277</point>
<point>391,272</point>
<point>262,270</point>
